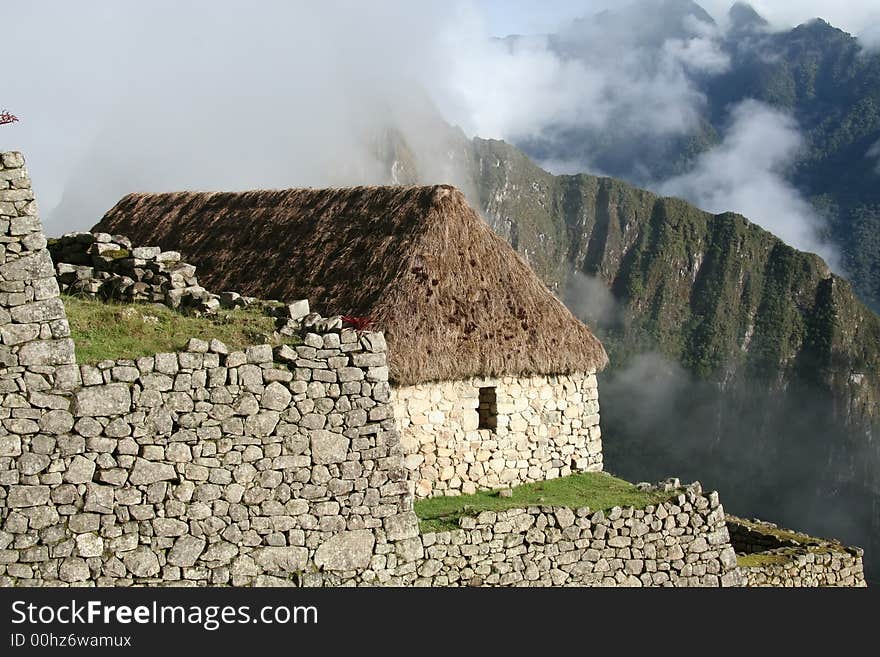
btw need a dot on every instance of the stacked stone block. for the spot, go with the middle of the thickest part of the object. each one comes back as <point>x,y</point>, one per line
<point>681,542</point>
<point>794,560</point>
<point>545,427</point>
<point>208,467</point>
<point>808,567</point>
<point>110,267</point>
<point>34,334</point>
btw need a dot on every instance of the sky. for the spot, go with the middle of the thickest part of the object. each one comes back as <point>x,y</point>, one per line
<point>124,95</point>
<point>530,16</point>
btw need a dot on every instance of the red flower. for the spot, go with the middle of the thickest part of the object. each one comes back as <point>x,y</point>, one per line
<point>359,324</point>
<point>6,117</point>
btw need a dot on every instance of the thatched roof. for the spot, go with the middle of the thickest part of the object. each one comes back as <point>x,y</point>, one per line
<point>453,298</point>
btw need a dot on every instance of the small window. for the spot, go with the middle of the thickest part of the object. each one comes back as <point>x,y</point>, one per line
<point>488,409</point>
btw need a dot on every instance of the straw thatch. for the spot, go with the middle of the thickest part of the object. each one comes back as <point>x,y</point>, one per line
<point>454,300</point>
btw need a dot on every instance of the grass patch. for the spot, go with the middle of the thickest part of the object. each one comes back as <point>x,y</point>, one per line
<point>760,559</point>
<point>597,490</point>
<point>788,535</point>
<point>109,331</point>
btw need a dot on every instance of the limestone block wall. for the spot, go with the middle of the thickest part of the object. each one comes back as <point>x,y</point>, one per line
<point>681,542</point>
<point>545,427</point>
<point>781,557</point>
<point>808,568</point>
<point>206,467</point>
<point>34,333</point>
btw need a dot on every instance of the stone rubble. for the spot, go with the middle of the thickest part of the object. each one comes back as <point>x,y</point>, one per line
<point>110,267</point>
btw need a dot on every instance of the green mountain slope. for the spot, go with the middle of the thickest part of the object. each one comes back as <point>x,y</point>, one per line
<point>817,73</point>
<point>735,358</point>
<point>715,293</point>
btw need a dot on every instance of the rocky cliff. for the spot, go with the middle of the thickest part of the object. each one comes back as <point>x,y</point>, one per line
<point>733,354</point>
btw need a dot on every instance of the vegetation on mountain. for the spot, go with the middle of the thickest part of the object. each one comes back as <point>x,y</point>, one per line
<point>735,359</point>
<point>818,74</point>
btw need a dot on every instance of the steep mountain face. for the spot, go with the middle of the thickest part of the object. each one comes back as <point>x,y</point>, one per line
<point>818,74</point>
<point>717,294</point>
<point>735,358</point>
<point>831,86</point>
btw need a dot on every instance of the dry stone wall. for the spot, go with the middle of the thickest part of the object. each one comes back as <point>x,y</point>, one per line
<point>808,568</point>
<point>110,267</point>
<point>33,326</point>
<point>206,467</point>
<point>681,542</point>
<point>544,427</point>
<point>784,558</point>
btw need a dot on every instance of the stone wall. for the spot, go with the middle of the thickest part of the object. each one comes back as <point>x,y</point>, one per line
<point>205,467</point>
<point>781,557</point>
<point>546,427</point>
<point>682,542</point>
<point>809,567</point>
<point>33,326</point>
<point>110,267</point>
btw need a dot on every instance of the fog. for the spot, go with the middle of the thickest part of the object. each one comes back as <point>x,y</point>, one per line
<point>746,173</point>
<point>874,153</point>
<point>120,96</point>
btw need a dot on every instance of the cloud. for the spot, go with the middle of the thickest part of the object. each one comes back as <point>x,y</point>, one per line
<point>623,77</point>
<point>746,172</point>
<point>874,152</point>
<point>589,298</point>
<point>168,95</point>
<point>853,16</point>
<point>698,55</point>
<point>307,94</point>
<point>870,36</point>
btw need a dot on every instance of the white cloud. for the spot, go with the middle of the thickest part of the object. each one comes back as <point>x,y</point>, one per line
<point>853,16</point>
<point>746,174</point>
<point>874,152</point>
<point>611,75</point>
<point>870,36</point>
<point>589,298</point>
<point>125,96</point>
<point>700,54</point>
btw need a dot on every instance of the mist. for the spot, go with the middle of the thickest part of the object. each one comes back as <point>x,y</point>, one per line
<point>217,95</point>
<point>773,454</point>
<point>590,300</point>
<point>746,173</point>
<point>874,153</point>
<point>126,96</point>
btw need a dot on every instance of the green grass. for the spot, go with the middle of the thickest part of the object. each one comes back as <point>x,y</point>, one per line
<point>760,559</point>
<point>597,490</point>
<point>109,331</point>
<point>788,535</point>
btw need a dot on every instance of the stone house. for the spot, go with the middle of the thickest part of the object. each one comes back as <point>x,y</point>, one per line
<point>494,380</point>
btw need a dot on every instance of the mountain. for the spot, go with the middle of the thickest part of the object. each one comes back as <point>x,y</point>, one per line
<point>735,358</point>
<point>815,72</point>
